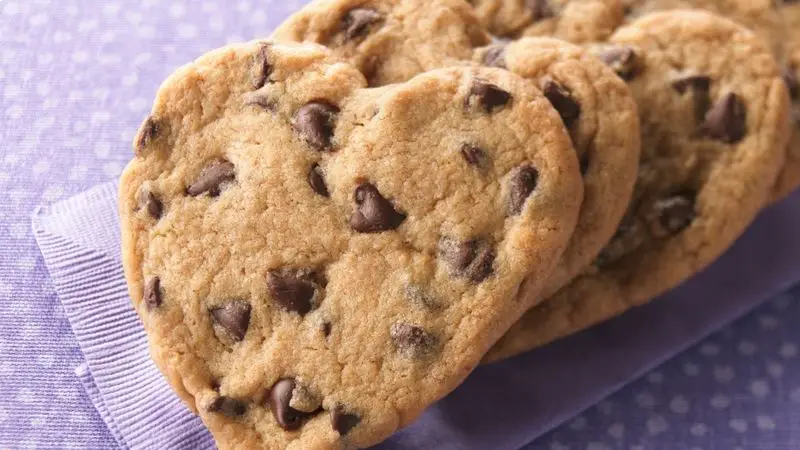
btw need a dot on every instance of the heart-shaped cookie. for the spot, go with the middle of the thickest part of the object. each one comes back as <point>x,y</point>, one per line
<point>316,262</point>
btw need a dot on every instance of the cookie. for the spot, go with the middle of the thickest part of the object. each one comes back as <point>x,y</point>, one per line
<point>598,109</point>
<point>577,21</point>
<point>314,261</point>
<point>389,40</point>
<point>789,178</point>
<point>713,111</point>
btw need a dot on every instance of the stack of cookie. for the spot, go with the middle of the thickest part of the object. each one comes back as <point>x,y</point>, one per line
<point>326,231</point>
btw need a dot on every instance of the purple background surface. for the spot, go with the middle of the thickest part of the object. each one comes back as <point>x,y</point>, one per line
<point>76,79</point>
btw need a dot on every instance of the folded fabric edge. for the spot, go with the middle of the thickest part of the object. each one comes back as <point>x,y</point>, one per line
<point>54,248</point>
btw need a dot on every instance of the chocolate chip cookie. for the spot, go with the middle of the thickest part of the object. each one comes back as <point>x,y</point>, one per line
<point>316,262</point>
<point>713,109</point>
<point>789,179</point>
<point>577,21</point>
<point>389,40</point>
<point>598,109</point>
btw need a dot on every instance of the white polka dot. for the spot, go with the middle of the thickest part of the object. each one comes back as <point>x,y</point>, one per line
<point>146,32</point>
<point>243,6</point>
<point>597,446</point>
<point>18,230</point>
<point>747,348</point>
<point>52,193</point>
<point>46,360</point>
<point>788,350</point>
<point>138,104</point>
<point>60,37</point>
<point>709,349</point>
<point>40,167</point>
<point>108,37</point>
<point>187,31</point>
<point>657,425</point>
<point>765,423</point>
<point>102,149</point>
<point>645,400</point>
<point>691,369</point>
<point>233,39</point>
<point>258,18</point>
<point>11,91</point>
<point>26,396</point>
<point>578,423</point>
<point>617,431</point>
<point>679,405</point>
<point>655,377</point>
<point>49,103</point>
<point>10,9</point>
<point>133,17</point>
<point>72,10</point>
<point>720,401</point>
<point>99,117</point>
<point>112,169</point>
<point>142,58</point>
<point>775,369</point>
<point>111,59</point>
<point>724,374</point>
<point>3,415</point>
<point>2,74</point>
<point>130,79</point>
<point>43,122</point>
<point>78,418</point>
<point>768,322</point>
<point>698,429</point>
<point>12,159</point>
<point>78,173</point>
<point>177,9</point>
<point>558,446</point>
<point>75,95</point>
<point>795,395</point>
<point>44,58</point>
<point>87,25</point>
<point>111,9</point>
<point>216,23</point>
<point>38,20</point>
<point>782,302</point>
<point>760,388</point>
<point>39,421</point>
<point>14,112</point>
<point>6,369</point>
<point>738,425</point>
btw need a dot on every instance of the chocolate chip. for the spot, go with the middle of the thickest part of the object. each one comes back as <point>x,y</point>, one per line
<point>474,156</point>
<point>227,406</point>
<point>316,181</point>
<point>213,179</point>
<point>280,395</point>
<point>260,100</point>
<point>315,122</point>
<point>412,341</point>
<point>674,213</point>
<point>540,9</point>
<point>790,77</point>
<point>343,422</point>
<point>623,60</point>
<point>262,68</point>
<point>699,86</point>
<point>234,317</point>
<point>422,298</point>
<point>373,212</point>
<point>727,119</point>
<point>561,99</point>
<point>487,95</point>
<point>521,185</point>
<point>326,328</point>
<point>357,22</point>
<point>471,259</point>
<point>152,293</point>
<point>293,289</point>
<point>495,56</point>
<point>150,203</point>
<point>147,133</point>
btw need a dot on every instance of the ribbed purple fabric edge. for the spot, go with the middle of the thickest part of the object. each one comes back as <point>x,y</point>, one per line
<point>132,397</point>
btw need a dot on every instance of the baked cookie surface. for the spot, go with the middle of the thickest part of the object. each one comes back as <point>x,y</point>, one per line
<point>713,110</point>
<point>316,262</point>
<point>598,109</point>
<point>389,40</point>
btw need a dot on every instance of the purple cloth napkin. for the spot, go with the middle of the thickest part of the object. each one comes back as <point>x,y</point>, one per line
<point>502,406</point>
